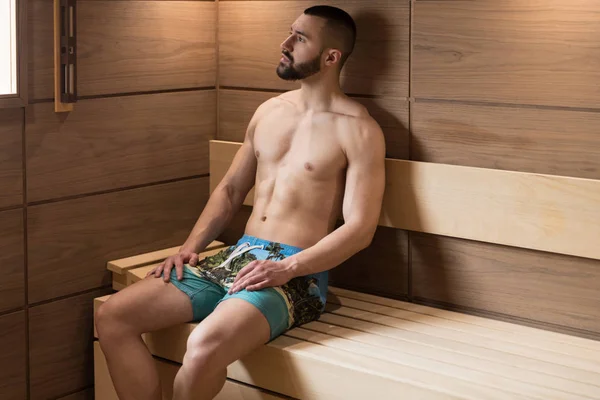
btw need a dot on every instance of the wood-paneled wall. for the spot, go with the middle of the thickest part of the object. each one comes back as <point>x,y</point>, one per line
<point>125,172</point>
<point>488,83</point>
<point>493,84</point>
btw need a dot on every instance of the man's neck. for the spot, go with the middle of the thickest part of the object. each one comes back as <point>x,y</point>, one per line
<point>318,92</point>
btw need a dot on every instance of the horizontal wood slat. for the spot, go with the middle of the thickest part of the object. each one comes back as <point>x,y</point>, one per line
<point>60,345</point>
<point>549,213</point>
<point>541,212</point>
<point>551,142</point>
<point>150,45</point>
<point>167,371</point>
<point>236,108</point>
<point>11,157</point>
<point>13,357</point>
<point>12,261</point>
<point>111,143</point>
<point>540,286</point>
<point>70,242</point>
<point>250,34</point>
<point>527,52</point>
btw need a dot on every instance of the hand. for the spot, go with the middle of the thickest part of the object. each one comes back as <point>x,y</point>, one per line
<point>261,274</point>
<point>177,261</point>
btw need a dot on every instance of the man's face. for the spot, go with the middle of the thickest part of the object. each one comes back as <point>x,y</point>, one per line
<point>302,50</point>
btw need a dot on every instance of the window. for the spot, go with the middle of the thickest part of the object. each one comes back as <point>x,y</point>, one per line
<point>12,57</point>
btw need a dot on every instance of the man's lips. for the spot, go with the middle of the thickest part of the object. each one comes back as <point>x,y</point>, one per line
<point>285,58</point>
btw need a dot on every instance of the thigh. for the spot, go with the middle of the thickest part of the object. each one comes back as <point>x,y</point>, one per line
<point>272,304</point>
<point>234,329</point>
<point>148,305</point>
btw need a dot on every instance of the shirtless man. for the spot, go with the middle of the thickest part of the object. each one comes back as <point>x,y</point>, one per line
<point>313,155</point>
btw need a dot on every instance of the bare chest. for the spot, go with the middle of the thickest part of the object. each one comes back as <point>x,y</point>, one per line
<point>306,146</point>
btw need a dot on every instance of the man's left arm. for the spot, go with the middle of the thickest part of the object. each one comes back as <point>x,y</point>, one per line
<point>363,196</point>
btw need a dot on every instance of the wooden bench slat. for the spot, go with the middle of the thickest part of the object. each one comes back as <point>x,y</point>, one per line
<point>123,264</point>
<point>458,336</point>
<point>470,319</point>
<point>105,390</point>
<point>458,349</point>
<point>472,329</point>
<point>552,213</point>
<point>470,368</point>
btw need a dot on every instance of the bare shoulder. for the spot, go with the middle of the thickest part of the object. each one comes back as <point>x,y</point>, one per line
<point>266,108</point>
<point>362,132</point>
<point>270,104</point>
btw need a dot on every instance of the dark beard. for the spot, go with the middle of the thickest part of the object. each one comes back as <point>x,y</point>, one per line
<point>296,72</point>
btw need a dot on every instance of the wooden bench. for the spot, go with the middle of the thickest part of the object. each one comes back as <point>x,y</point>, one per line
<point>366,346</point>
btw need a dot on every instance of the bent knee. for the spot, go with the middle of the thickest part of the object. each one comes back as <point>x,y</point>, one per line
<point>202,352</point>
<point>111,321</point>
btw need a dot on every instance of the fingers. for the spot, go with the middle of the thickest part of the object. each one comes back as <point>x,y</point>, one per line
<point>250,279</point>
<point>167,269</point>
<point>258,286</point>
<point>159,270</point>
<point>179,267</point>
<point>194,260</point>
<point>245,271</point>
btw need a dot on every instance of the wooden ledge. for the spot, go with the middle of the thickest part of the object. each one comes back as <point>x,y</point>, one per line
<point>120,266</point>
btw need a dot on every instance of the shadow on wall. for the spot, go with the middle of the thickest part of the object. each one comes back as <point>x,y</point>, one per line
<point>387,267</point>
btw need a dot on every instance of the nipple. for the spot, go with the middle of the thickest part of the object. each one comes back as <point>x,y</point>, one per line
<point>308,166</point>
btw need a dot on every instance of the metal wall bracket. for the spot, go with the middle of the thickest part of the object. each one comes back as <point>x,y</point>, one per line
<point>65,55</point>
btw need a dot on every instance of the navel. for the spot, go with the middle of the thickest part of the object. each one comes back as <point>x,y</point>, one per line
<point>257,153</point>
<point>263,219</point>
<point>308,166</point>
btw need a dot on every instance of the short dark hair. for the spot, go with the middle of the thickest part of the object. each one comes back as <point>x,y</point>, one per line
<point>341,26</point>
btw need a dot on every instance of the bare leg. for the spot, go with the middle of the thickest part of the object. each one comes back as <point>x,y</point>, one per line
<point>146,306</point>
<point>234,329</point>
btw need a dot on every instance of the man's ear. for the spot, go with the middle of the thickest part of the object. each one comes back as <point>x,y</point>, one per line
<point>333,56</point>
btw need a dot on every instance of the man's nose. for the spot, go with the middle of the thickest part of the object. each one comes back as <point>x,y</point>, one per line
<point>287,44</point>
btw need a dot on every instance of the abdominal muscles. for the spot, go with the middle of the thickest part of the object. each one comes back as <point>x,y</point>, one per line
<point>295,208</point>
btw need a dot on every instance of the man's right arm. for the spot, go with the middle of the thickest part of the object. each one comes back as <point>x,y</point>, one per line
<point>224,202</point>
<point>226,199</point>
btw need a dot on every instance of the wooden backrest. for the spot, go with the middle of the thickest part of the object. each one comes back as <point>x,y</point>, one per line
<point>543,212</point>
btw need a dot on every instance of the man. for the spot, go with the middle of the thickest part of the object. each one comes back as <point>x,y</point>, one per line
<point>313,156</point>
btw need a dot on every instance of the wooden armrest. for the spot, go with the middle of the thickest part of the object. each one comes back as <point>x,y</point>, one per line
<point>121,266</point>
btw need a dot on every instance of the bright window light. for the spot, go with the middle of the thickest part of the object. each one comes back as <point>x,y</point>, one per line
<point>8,47</point>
